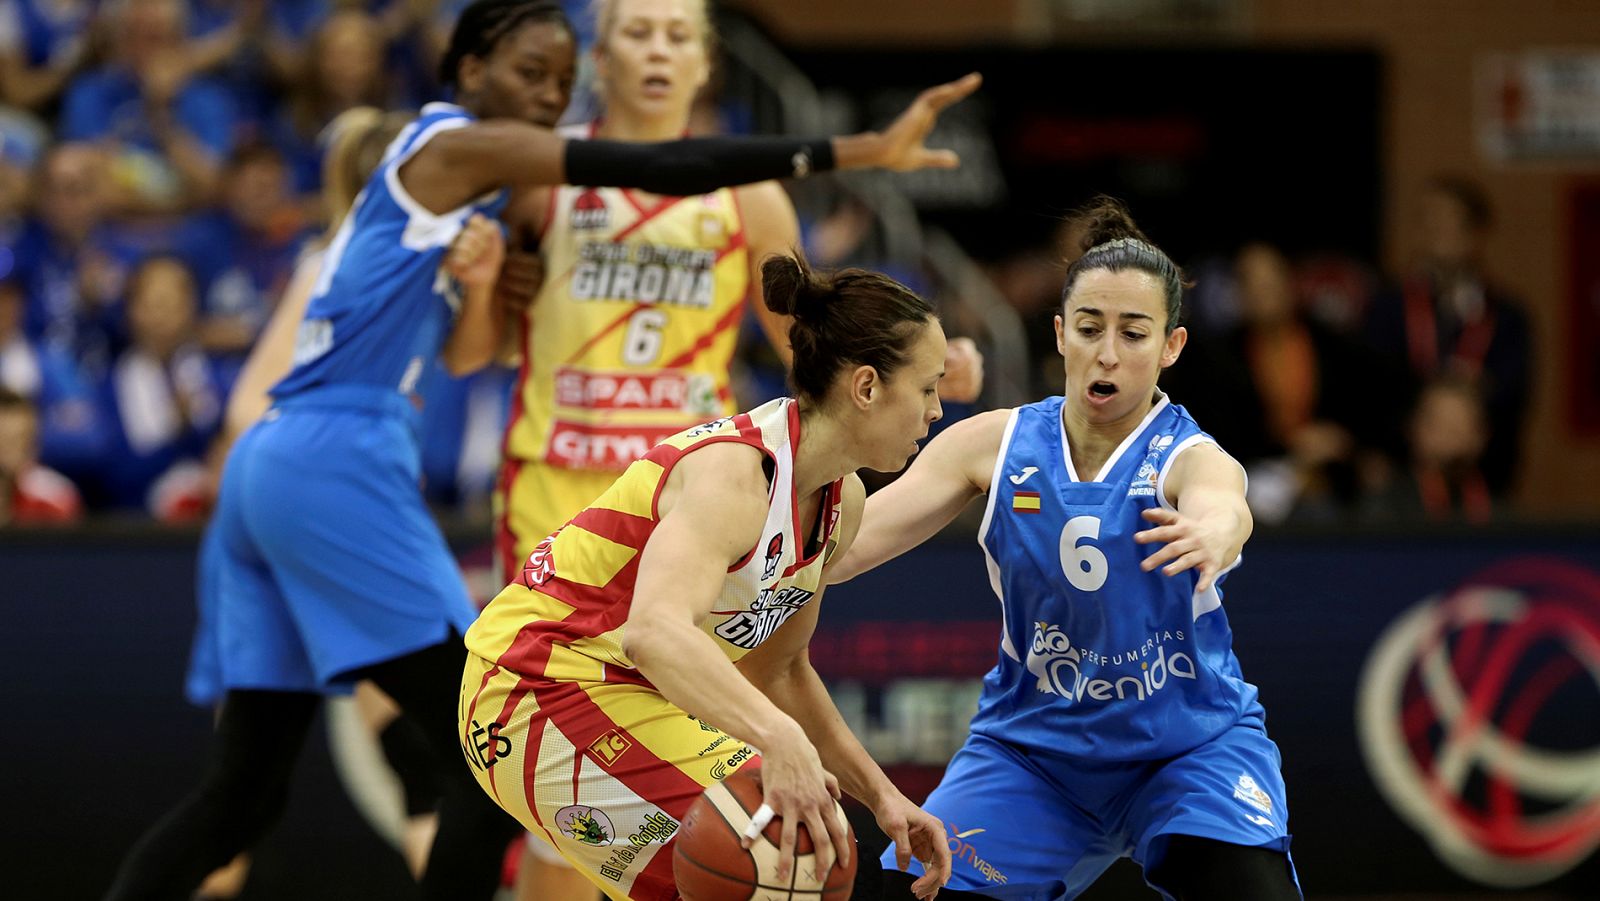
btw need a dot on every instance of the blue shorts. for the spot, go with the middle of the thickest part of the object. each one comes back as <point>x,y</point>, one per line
<point>202,685</point>
<point>1025,826</point>
<point>328,560</point>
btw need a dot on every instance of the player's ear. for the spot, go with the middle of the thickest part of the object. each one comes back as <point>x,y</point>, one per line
<point>865,385</point>
<point>1175,345</point>
<point>1061,336</point>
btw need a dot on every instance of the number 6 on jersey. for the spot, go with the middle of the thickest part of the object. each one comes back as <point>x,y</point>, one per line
<point>1084,564</point>
<point>641,345</point>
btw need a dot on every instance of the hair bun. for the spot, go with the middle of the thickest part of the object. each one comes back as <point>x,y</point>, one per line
<point>1106,219</point>
<point>793,289</point>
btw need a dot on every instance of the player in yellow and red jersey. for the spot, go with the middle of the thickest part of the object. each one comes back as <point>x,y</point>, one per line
<point>601,694</point>
<point>632,335</point>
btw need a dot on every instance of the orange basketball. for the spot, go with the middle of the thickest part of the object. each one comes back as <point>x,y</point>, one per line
<point>709,865</point>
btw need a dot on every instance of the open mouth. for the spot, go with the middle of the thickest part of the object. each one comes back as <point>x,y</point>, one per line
<point>1102,389</point>
<point>657,84</point>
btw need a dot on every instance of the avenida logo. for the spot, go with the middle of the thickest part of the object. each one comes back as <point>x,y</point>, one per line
<point>1059,668</point>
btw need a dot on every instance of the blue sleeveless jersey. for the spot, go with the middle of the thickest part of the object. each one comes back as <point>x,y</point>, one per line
<point>382,308</point>
<point>1099,658</point>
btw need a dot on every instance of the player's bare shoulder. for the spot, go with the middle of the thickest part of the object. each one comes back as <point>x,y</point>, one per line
<point>971,446</point>
<point>725,475</point>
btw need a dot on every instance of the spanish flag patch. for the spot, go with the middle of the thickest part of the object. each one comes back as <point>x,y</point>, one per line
<point>1025,502</point>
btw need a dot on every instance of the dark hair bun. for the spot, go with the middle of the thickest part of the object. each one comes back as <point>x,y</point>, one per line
<point>794,289</point>
<point>1105,219</point>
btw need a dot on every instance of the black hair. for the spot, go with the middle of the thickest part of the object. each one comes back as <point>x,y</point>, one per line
<point>485,23</point>
<point>1112,241</point>
<point>843,318</point>
<point>16,400</point>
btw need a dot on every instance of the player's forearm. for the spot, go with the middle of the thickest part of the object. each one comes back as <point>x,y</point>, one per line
<point>476,336</point>
<point>799,692</point>
<point>685,665</point>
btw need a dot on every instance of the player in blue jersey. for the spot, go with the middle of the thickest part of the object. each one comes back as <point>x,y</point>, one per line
<point>1117,722</point>
<point>331,569</point>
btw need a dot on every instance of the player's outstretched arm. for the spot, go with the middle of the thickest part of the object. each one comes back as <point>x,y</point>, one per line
<point>944,477</point>
<point>1208,530</point>
<point>462,163</point>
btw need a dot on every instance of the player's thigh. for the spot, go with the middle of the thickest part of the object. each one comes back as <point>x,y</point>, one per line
<point>604,773</point>
<point>1010,833</point>
<point>1228,790</point>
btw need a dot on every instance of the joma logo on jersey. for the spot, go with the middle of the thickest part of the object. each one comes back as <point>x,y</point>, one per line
<point>1058,667</point>
<point>608,747</point>
<point>770,610</point>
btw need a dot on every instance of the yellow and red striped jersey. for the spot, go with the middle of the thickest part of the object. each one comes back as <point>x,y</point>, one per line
<point>563,617</point>
<point>632,335</point>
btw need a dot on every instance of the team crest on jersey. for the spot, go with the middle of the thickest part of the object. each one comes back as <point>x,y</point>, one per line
<point>1144,482</point>
<point>774,556</point>
<point>589,825</point>
<point>589,211</point>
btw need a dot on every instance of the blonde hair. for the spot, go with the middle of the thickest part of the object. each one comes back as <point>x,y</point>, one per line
<point>605,18</point>
<point>356,140</point>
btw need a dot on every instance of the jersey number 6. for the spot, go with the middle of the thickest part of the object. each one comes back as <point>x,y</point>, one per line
<point>641,345</point>
<point>1084,564</point>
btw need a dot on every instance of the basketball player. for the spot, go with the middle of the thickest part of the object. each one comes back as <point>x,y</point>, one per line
<point>601,693</point>
<point>632,336</point>
<point>1117,723</point>
<point>331,564</point>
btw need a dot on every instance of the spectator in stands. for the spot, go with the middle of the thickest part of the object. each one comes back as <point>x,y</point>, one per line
<point>1449,321</point>
<point>342,68</point>
<point>169,129</point>
<point>21,140</point>
<point>243,251</point>
<point>71,432</point>
<point>1288,396</point>
<point>30,494</point>
<point>164,397</point>
<point>70,259</point>
<point>43,43</point>
<point>1445,480</point>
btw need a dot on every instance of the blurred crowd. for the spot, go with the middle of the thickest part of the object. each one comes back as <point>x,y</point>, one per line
<point>160,166</point>
<point>1350,397</point>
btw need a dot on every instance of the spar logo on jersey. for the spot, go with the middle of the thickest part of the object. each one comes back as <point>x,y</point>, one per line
<point>771,609</point>
<point>589,211</point>
<point>1476,710</point>
<point>1132,674</point>
<point>1144,481</point>
<point>541,565</point>
<point>774,556</point>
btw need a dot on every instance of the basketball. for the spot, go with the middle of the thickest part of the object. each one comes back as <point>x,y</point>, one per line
<point>709,865</point>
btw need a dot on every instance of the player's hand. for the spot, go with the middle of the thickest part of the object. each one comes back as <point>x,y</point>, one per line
<point>1189,544</point>
<point>797,789</point>
<point>521,277</point>
<point>916,833</point>
<point>963,371</point>
<point>902,148</point>
<point>477,252</point>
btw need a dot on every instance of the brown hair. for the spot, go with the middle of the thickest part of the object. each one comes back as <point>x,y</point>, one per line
<point>356,140</point>
<point>1112,241</point>
<point>844,318</point>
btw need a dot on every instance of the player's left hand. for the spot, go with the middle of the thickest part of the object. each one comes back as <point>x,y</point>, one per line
<point>1190,544</point>
<point>915,832</point>
<point>477,252</point>
<point>521,277</point>
<point>902,148</point>
<point>963,371</point>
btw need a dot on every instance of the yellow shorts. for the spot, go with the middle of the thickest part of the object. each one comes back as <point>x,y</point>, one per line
<point>603,771</point>
<point>532,500</point>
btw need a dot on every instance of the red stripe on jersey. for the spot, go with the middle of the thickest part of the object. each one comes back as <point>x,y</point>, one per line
<point>737,242</point>
<point>472,710</point>
<point>611,327</point>
<point>728,320</point>
<point>530,763</point>
<point>614,525</point>
<point>597,611</point>
<point>645,216</point>
<point>584,722</point>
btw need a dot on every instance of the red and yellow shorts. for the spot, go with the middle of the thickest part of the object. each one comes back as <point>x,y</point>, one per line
<point>532,500</point>
<point>602,771</point>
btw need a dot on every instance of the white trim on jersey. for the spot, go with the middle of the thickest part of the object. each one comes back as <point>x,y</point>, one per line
<point>1111,461</point>
<point>1210,599</point>
<point>426,229</point>
<point>983,533</point>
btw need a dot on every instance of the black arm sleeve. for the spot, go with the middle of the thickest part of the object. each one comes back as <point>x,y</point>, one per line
<point>694,165</point>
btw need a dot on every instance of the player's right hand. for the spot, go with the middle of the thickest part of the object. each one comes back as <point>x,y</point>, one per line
<point>903,149</point>
<point>799,790</point>
<point>476,253</point>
